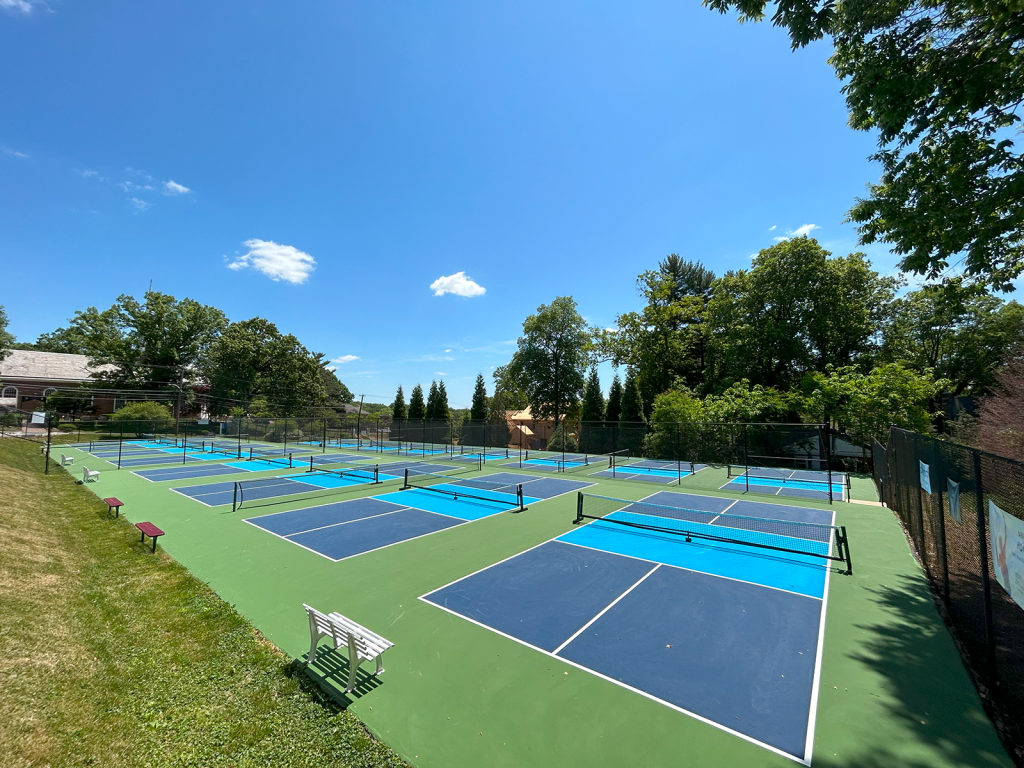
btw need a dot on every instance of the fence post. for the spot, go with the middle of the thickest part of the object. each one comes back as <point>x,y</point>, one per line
<point>986,585</point>
<point>922,545</point>
<point>49,434</point>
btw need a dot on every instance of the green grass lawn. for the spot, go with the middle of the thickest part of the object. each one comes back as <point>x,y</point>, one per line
<point>112,656</point>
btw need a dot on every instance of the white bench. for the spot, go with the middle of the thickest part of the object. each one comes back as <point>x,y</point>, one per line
<point>66,461</point>
<point>89,475</point>
<point>362,643</point>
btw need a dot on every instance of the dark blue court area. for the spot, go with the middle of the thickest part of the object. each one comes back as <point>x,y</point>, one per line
<point>190,472</point>
<point>713,632</point>
<point>348,528</point>
<point>241,493</point>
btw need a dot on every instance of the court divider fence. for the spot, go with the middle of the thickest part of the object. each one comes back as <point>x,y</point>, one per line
<point>963,511</point>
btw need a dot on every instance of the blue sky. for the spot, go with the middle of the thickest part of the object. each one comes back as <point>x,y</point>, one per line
<point>324,164</point>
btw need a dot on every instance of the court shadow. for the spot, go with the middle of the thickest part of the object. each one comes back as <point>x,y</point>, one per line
<point>926,688</point>
<point>330,673</point>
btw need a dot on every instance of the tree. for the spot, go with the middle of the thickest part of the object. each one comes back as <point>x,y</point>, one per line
<point>265,372</point>
<point>795,310</point>
<point>478,408</point>
<point>441,409</point>
<point>417,409</point>
<point>336,393</point>
<point>593,399</point>
<point>6,339</point>
<point>594,436</point>
<point>632,406</point>
<point>551,358</point>
<point>1000,424</point>
<point>143,417</point>
<point>941,82</point>
<point>69,401</point>
<point>73,339</point>
<point>398,410</point>
<point>962,333</point>
<point>667,340</point>
<point>614,411</point>
<point>431,409</point>
<point>865,405</point>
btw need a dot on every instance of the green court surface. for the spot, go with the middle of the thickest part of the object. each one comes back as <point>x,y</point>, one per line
<point>893,691</point>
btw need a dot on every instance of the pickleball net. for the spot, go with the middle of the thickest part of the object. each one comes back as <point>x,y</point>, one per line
<point>493,494</point>
<point>819,540</point>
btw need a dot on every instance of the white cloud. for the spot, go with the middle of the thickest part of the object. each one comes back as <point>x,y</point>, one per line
<point>174,188</point>
<point>773,227</point>
<point>278,262</point>
<point>345,359</point>
<point>447,351</point>
<point>440,373</point>
<point>140,204</point>
<point>22,6</point>
<point>457,284</point>
<point>804,229</point>
<point>12,152</point>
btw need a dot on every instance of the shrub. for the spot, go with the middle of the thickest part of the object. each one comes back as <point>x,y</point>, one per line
<point>143,417</point>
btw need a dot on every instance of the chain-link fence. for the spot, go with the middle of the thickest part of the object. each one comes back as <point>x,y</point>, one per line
<point>963,509</point>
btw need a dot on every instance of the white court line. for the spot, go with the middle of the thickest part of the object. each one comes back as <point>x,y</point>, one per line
<point>605,610</point>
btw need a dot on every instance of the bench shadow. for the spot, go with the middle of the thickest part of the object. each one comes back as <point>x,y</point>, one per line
<point>330,673</point>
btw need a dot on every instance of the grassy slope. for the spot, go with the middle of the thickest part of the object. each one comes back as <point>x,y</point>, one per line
<point>112,656</point>
<point>893,690</point>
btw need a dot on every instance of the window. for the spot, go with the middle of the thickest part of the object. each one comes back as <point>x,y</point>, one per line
<point>49,391</point>
<point>9,392</point>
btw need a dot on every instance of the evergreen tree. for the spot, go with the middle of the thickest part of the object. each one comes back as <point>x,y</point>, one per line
<point>592,430</point>
<point>614,400</point>
<point>398,409</point>
<point>417,410</point>
<point>431,409</point>
<point>593,400</point>
<point>478,408</point>
<point>441,410</point>
<point>632,407</point>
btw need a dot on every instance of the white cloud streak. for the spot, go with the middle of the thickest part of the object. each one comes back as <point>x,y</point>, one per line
<point>140,204</point>
<point>278,262</point>
<point>16,6</point>
<point>12,152</point>
<point>174,188</point>
<point>458,285</point>
<point>801,231</point>
<point>345,359</point>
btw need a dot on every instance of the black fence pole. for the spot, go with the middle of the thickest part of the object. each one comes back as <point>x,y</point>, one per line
<point>986,584</point>
<point>49,435</point>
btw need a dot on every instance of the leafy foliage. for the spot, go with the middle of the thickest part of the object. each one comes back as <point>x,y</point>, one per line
<point>551,358</point>
<point>614,409</point>
<point>143,417</point>
<point>942,83</point>
<point>6,339</point>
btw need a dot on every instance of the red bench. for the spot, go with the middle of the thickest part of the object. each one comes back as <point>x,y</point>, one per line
<point>148,529</point>
<point>114,505</point>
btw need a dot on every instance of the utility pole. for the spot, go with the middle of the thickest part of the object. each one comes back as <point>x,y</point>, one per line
<point>177,407</point>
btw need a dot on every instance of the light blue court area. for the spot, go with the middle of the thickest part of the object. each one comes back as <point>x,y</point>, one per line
<point>459,500</point>
<point>163,458</point>
<point>254,491</point>
<point>259,465</point>
<point>727,634</point>
<point>334,458</point>
<point>348,528</point>
<point>191,472</point>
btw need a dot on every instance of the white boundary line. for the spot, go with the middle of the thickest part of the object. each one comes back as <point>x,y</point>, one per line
<point>819,661</point>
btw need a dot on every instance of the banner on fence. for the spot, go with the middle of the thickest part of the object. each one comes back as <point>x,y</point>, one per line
<point>953,493</point>
<point>1006,534</point>
<point>926,480</point>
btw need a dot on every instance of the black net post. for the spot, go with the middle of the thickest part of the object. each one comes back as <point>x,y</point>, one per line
<point>120,445</point>
<point>579,508</point>
<point>846,550</point>
<point>746,458</point>
<point>49,435</point>
<point>986,584</point>
<point>234,498</point>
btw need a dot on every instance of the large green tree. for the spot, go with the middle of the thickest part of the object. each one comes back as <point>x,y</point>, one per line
<point>942,83</point>
<point>253,366</point>
<point>552,358</point>
<point>593,398</point>
<point>795,310</point>
<point>430,412</point>
<point>667,340</point>
<point>335,392</point>
<point>441,408</point>
<point>961,333</point>
<point>614,410</point>
<point>150,344</point>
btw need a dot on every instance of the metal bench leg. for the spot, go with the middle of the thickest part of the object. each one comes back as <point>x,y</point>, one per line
<point>353,664</point>
<point>380,663</point>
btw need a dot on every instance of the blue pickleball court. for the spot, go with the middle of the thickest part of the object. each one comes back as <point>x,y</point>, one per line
<point>719,630</point>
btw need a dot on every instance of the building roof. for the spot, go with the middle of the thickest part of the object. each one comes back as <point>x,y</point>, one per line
<point>48,366</point>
